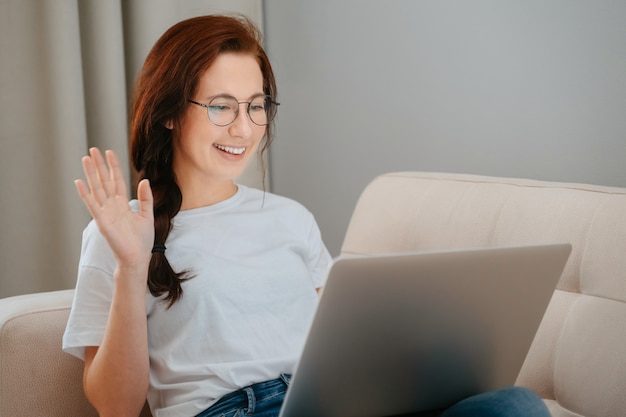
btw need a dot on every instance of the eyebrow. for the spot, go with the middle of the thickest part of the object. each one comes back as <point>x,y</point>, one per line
<point>253,96</point>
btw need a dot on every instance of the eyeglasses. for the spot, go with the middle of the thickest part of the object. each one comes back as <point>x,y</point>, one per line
<point>223,110</point>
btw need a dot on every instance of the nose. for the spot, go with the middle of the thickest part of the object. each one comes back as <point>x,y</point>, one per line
<point>242,125</point>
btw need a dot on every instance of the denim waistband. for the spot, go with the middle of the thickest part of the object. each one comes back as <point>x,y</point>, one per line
<point>248,397</point>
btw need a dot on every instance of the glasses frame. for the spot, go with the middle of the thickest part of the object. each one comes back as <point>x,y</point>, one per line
<point>268,99</point>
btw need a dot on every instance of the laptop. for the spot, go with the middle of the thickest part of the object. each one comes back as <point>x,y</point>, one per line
<point>400,333</point>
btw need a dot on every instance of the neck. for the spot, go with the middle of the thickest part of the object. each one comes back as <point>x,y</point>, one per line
<point>206,195</point>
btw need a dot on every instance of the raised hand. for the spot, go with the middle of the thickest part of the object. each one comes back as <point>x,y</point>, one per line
<point>130,234</point>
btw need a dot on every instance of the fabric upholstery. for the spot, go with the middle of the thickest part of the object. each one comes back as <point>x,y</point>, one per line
<point>36,377</point>
<point>576,362</point>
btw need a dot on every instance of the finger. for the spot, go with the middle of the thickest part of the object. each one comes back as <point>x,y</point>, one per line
<point>93,179</point>
<point>104,173</point>
<point>144,195</point>
<point>117,175</point>
<point>87,197</point>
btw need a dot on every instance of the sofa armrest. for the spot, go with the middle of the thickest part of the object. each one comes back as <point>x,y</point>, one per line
<point>36,376</point>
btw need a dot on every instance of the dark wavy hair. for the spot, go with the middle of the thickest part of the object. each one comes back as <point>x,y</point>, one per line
<point>168,78</point>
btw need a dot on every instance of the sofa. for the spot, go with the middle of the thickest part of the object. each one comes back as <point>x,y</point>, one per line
<point>577,361</point>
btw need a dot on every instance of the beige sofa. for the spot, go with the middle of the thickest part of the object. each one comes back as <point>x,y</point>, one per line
<point>577,362</point>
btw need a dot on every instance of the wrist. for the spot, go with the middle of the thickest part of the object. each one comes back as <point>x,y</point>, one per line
<point>136,263</point>
<point>135,272</point>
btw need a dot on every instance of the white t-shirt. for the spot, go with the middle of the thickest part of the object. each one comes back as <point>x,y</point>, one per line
<point>256,261</point>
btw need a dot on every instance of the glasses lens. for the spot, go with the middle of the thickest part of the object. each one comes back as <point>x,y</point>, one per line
<point>260,110</point>
<point>223,110</point>
<point>270,108</point>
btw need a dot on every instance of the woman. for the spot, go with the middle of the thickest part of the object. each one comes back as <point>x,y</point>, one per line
<point>199,293</point>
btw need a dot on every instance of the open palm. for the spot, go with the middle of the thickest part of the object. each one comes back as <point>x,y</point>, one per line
<point>129,234</point>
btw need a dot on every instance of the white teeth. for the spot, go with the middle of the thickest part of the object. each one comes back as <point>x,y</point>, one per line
<point>230,149</point>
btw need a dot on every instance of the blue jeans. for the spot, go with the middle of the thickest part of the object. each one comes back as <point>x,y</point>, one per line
<point>265,399</point>
<point>259,400</point>
<point>506,402</point>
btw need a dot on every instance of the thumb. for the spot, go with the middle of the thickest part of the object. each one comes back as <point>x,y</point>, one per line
<point>144,195</point>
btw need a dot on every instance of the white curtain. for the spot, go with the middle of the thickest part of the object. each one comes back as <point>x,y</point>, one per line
<point>66,67</point>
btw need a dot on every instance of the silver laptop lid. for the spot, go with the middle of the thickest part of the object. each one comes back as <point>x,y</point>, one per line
<point>399,333</point>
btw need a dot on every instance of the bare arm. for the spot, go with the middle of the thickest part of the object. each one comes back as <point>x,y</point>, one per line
<point>116,374</point>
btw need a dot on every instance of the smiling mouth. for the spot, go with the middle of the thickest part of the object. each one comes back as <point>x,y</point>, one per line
<point>231,149</point>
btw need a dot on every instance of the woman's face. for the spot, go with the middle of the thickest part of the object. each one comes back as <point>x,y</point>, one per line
<point>208,154</point>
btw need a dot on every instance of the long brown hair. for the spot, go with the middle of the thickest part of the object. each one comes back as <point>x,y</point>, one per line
<point>168,78</point>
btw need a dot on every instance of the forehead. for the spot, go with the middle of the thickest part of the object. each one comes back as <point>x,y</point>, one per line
<point>235,74</point>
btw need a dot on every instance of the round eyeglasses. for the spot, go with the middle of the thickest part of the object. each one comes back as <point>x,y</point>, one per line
<point>223,110</point>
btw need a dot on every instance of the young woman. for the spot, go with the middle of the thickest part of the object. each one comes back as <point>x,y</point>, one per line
<point>199,294</point>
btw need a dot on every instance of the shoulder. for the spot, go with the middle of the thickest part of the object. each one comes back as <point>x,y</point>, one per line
<point>275,204</point>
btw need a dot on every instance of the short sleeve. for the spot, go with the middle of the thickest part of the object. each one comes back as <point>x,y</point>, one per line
<point>319,259</point>
<point>93,294</point>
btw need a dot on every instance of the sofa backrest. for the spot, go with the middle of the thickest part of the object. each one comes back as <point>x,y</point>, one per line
<point>576,362</point>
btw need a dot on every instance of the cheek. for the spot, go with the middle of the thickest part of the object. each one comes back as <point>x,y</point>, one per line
<point>258,145</point>
<point>189,145</point>
<point>262,140</point>
<point>196,135</point>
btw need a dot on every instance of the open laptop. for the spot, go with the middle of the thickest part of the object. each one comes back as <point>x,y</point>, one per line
<point>400,333</point>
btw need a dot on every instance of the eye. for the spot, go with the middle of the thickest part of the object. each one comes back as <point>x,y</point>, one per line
<point>257,105</point>
<point>220,107</point>
<point>223,105</point>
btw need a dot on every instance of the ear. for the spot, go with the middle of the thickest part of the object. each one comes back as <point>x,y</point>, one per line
<point>169,124</point>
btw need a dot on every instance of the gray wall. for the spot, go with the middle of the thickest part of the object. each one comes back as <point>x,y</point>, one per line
<point>527,88</point>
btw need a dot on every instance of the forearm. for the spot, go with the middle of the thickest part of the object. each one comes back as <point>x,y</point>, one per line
<point>116,378</point>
